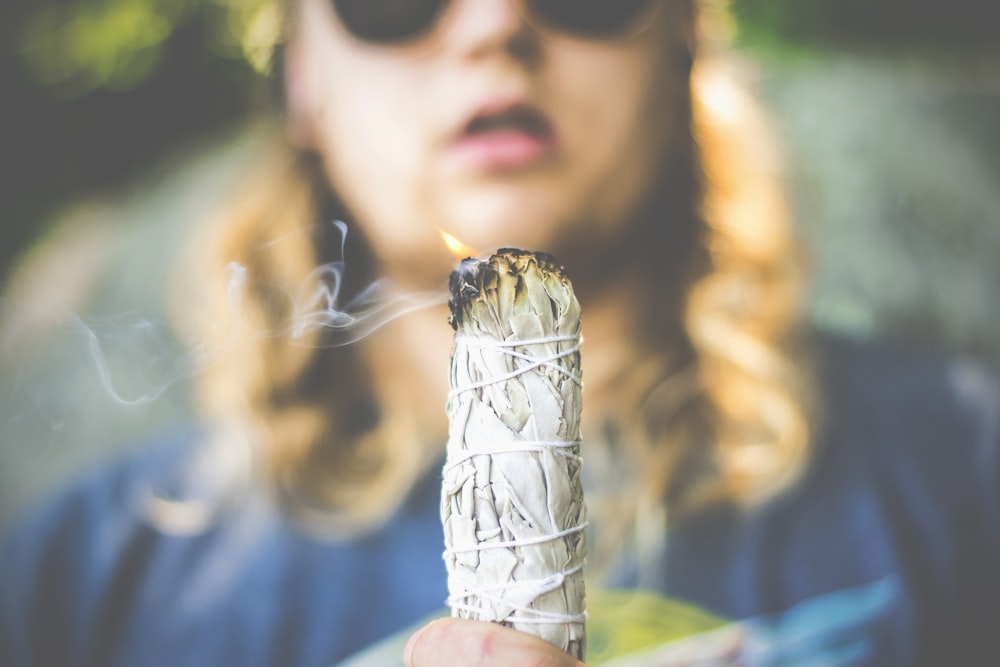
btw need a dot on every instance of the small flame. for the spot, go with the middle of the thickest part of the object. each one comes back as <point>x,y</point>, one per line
<point>457,248</point>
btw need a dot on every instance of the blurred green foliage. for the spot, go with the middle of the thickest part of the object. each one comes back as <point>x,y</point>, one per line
<point>88,44</point>
<point>871,24</point>
<point>96,90</point>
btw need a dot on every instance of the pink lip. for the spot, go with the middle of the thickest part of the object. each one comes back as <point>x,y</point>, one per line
<point>484,145</point>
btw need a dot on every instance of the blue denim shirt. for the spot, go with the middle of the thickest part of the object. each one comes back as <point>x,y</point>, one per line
<point>886,553</point>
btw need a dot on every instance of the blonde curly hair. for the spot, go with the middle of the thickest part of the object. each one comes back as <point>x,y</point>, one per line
<point>719,411</point>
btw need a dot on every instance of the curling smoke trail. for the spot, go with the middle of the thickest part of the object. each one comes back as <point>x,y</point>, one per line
<point>183,367</point>
<point>317,304</point>
<point>135,362</point>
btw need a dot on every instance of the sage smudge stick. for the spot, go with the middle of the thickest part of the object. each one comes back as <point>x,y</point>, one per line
<point>512,501</point>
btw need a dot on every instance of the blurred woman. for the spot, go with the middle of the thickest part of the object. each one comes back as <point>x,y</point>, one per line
<point>831,503</point>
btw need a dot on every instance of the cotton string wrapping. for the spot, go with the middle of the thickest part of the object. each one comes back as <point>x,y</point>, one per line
<point>567,449</point>
<point>512,503</point>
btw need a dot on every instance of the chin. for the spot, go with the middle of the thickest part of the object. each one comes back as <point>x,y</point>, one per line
<point>491,220</point>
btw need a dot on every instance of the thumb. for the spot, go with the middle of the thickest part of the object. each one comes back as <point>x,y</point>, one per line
<point>460,642</point>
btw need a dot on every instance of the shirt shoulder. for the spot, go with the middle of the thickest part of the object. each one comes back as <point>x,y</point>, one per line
<point>923,424</point>
<point>59,558</point>
<point>158,558</point>
<point>893,529</point>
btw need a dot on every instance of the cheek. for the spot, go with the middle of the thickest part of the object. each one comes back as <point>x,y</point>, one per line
<point>373,144</point>
<point>361,123</point>
<point>622,126</point>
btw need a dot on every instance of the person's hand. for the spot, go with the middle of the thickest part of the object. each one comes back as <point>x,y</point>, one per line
<point>453,642</point>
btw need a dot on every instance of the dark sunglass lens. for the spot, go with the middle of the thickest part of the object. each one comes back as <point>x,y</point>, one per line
<point>589,18</point>
<point>388,21</point>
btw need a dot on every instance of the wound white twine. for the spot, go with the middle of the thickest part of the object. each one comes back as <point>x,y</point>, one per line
<point>531,588</point>
<point>517,594</point>
<point>507,347</point>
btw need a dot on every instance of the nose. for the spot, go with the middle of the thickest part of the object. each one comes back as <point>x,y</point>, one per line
<point>479,28</point>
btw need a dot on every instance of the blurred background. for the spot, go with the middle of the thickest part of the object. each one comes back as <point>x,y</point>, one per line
<point>124,120</point>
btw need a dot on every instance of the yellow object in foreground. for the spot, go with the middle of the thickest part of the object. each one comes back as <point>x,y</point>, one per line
<point>624,629</point>
<point>621,623</point>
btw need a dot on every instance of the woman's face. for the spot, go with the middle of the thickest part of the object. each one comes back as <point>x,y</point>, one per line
<point>489,130</point>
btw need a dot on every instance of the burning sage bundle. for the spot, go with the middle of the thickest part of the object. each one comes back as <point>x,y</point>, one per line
<point>512,501</point>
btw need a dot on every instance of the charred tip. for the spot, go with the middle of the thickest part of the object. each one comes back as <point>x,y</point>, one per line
<point>464,284</point>
<point>467,280</point>
<point>464,280</point>
<point>543,260</point>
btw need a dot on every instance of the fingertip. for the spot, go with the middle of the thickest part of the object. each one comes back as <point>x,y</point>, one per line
<point>408,647</point>
<point>411,642</point>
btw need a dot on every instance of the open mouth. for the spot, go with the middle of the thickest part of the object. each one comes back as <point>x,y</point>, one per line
<point>522,119</point>
<point>511,137</point>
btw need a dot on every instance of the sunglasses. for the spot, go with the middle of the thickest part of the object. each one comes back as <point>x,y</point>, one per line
<point>399,22</point>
